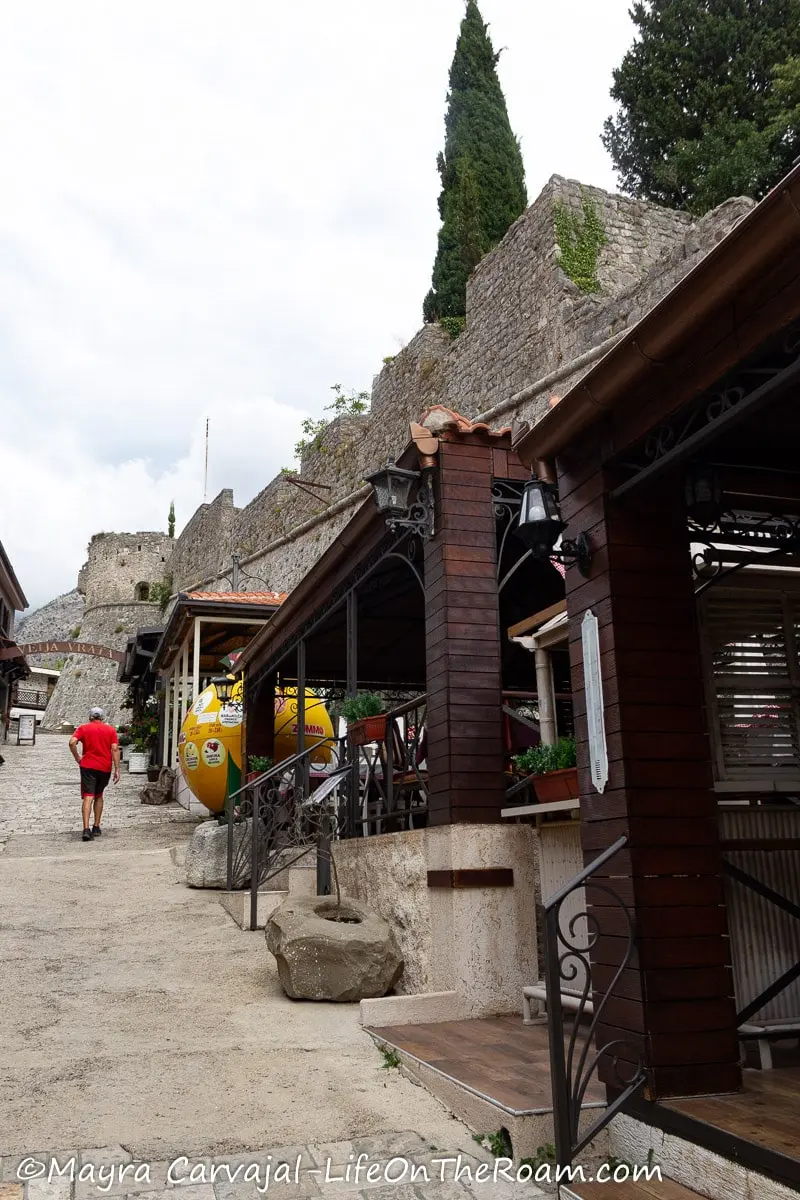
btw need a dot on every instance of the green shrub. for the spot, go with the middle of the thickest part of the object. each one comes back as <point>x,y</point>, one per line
<point>368,704</point>
<point>539,760</point>
<point>259,763</point>
<point>453,325</point>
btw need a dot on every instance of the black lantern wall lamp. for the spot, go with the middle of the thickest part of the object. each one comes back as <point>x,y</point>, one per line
<point>540,526</point>
<point>392,490</point>
<point>224,687</point>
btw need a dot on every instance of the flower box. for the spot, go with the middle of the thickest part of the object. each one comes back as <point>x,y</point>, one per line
<point>557,785</point>
<point>368,729</point>
<point>138,762</point>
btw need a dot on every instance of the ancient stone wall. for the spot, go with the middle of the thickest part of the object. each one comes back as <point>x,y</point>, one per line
<point>119,566</point>
<point>54,622</point>
<point>119,563</point>
<point>530,332</point>
<point>86,681</point>
<point>206,543</point>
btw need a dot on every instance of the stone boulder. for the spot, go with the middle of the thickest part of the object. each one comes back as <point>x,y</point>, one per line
<point>161,792</point>
<point>207,854</point>
<point>322,958</point>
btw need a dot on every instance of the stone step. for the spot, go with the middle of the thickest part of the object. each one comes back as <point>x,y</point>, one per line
<point>528,1130</point>
<point>237,904</point>
<point>654,1189</point>
<point>686,1163</point>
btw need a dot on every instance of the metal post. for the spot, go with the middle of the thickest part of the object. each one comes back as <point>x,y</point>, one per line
<point>352,690</point>
<point>562,1086</point>
<point>235,573</point>
<point>324,855</point>
<point>547,704</point>
<point>301,775</point>
<point>254,839</point>
<point>229,807</point>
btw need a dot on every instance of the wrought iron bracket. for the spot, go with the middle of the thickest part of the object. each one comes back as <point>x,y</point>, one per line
<point>421,513</point>
<point>575,552</point>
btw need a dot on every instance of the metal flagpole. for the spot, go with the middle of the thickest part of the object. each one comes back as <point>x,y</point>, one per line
<point>205,475</point>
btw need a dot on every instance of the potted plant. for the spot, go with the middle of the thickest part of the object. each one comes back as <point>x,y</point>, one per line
<point>144,732</point>
<point>257,764</point>
<point>366,718</point>
<point>125,744</point>
<point>553,768</point>
<point>139,760</point>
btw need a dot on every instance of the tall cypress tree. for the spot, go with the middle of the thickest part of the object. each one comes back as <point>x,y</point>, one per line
<point>483,179</point>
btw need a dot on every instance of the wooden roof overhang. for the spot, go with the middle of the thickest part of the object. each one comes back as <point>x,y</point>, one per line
<point>724,312</point>
<point>228,623</point>
<point>138,654</point>
<point>380,566</point>
<point>366,557</point>
<point>13,663</point>
<point>11,585</point>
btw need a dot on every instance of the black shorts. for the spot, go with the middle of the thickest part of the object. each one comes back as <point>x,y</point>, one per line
<point>94,782</point>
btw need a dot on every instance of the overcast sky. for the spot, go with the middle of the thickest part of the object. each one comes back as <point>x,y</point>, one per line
<point>220,209</point>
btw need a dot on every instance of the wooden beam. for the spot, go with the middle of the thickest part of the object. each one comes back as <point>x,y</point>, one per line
<point>472,878</point>
<point>539,618</point>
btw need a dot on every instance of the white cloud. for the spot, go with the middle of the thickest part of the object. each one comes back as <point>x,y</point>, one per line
<point>221,210</point>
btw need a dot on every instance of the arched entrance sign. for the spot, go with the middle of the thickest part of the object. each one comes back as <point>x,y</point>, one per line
<point>73,648</point>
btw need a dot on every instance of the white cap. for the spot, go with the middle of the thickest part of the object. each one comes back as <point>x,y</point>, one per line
<point>97,712</point>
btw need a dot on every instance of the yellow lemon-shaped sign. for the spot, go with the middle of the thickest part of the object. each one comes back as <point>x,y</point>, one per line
<point>210,747</point>
<point>210,743</point>
<point>317,725</point>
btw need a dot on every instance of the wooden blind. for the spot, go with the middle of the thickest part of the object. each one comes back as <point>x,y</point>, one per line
<point>751,642</point>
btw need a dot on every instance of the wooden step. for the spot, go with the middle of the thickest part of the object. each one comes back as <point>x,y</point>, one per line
<point>653,1189</point>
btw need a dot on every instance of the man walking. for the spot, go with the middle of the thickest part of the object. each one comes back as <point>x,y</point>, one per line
<point>100,750</point>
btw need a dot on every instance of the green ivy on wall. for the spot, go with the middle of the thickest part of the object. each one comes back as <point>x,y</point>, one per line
<point>453,325</point>
<point>579,240</point>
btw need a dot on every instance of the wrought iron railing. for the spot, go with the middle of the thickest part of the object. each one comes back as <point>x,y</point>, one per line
<point>575,1060</point>
<point>282,815</point>
<point>392,773</point>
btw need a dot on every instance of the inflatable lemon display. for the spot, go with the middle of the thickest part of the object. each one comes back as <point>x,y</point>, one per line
<point>210,743</point>
<point>317,724</point>
<point>210,747</point>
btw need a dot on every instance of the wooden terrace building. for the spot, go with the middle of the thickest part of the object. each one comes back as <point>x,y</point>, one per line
<point>677,457</point>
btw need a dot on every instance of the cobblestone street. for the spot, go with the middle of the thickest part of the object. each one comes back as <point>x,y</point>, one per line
<point>140,1025</point>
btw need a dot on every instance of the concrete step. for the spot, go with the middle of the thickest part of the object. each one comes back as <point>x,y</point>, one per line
<point>663,1189</point>
<point>237,904</point>
<point>528,1130</point>
<point>694,1166</point>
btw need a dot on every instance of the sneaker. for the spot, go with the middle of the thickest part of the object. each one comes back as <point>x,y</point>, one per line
<point>96,831</point>
<point>87,835</point>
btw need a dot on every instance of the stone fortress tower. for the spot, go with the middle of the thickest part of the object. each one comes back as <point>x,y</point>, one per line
<point>115,582</point>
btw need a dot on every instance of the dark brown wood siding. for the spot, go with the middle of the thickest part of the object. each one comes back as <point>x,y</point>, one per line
<point>675,1002</point>
<point>465,748</point>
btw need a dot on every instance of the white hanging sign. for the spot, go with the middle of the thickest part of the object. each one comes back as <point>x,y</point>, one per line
<point>595,712</point>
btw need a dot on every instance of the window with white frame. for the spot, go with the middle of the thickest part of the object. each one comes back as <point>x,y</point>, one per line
<point>751,650</point>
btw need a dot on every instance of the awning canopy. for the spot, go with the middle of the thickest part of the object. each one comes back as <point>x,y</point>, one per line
<point>230,620</point>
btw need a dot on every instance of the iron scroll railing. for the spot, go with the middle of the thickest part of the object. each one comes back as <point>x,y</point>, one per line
<point>281,816</point>
<point>574,1063</point>
<point>392,773</point>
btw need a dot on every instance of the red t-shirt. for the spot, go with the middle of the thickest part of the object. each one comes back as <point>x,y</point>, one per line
<point>97,739</point>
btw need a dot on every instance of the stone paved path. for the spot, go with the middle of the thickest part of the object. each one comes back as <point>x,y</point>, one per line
<point>136,1017</point>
